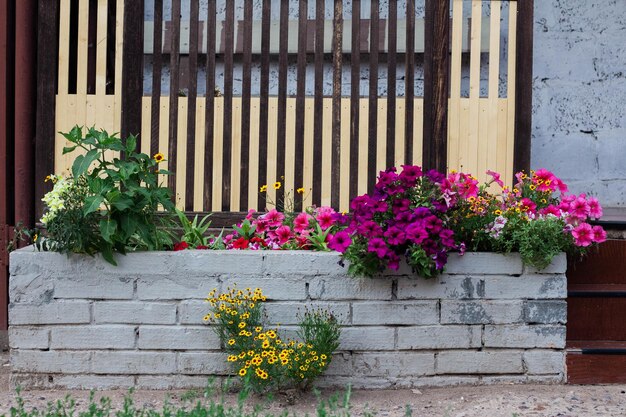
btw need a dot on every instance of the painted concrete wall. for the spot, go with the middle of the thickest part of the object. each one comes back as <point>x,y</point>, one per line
<point>79,322</point>
<point>579,95</point>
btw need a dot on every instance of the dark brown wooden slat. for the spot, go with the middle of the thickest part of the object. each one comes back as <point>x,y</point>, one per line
<point>192,95</point>
<point>409,82</point>
<point>436,84</point>
<point>5,173</point>
<point>229,34</point>
<point>245,109</point>
<point>318,103</point>
<point>523,86</point>
<point>157,65</point>
<point>264,93</point>
<point>605,264</point>
<point>373,96</point>
<point>174,87</point>
<point>47,68</point>
<point>596,318</point>
<point>391,83</point>
<point>132,70</point>
<point>595,344</point>
<point>355,97</point>
<point>336,119</point>
<point>210,107</point>
<point>300,96</point>
<point>596,369</point>
<point>282,98</point>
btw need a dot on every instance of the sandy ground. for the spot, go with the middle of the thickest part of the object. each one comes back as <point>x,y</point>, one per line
<point>502,400</point>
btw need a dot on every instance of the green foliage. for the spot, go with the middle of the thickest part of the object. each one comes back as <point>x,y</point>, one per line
<point>540,241</point>
<point>260,357</point>
<point>195,232</point>
<point>211,404</point>
<point>113,200</point>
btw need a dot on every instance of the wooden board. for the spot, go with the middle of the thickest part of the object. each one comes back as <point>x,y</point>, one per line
<point>596,369</point>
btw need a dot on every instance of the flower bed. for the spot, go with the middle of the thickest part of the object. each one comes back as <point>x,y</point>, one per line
<point>80,322</point>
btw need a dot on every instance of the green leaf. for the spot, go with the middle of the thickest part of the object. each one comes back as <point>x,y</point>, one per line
<point>82,162</point>
<point>75,135</point>
<point>108,228</point>
<point>107,254</point>
<point>92,203</point>
<point>68,149</point>
<point>131,144</point>
<point>122,202</point>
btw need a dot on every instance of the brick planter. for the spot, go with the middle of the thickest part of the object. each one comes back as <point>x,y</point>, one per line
<point>79,322</point>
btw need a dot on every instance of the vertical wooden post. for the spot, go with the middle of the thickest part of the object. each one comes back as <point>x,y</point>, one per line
<point>47,67</point>
<point>24,131</point>
<point>336,110</point>
<point>436,84</point>
<point>523,86</point>
<point>4,191</point>
<point>132,68</point>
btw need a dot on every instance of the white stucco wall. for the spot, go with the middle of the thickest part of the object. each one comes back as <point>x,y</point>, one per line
<point>579,95</point>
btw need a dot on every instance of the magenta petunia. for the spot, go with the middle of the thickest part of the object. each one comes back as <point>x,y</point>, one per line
<point>579,208</point>
<point>395,236</point>
<point>340,242</point>
<point>416,233</point>
<point>595,210</point>
<point>495,177</point>
<point>325,220</point>
<point>583,235</point>
<point>274,218</point>
<point>283,234</point>
<point>378,246</point>
<point>301,222</point>
<point>598,234</point>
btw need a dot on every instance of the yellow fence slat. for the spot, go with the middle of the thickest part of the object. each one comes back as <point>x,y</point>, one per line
<point>418,125</point>
<point>146,125</point>
<point>101,48</point>
<point>474,89</point>
<point>381,136</point>
<point>344,172</point>
<point>119,44</point>
<point>399,128</point>
<point>253,161</point>
<point>309,117</point>
<point>235,156</point>
<point>327,133</point>
<point>511,84</point>
<point>198,175</point>
<point>272,146</point>
<point>363,138</point>
<point>454,106</point>
<point>494,83</point>
<point>290,149</point>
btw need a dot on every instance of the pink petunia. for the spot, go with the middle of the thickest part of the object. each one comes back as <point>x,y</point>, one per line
<point>545,180</point>
<point>377,246</point>
<point>274,218</point>
<point>283,234</point>
<point>579,208</point>
<point>495,177</point>
<point>325,220</point>
<point>551,209</point>
<point>598,234</point>
<point>301,222</point>
<point>583,235</point>
<point>595,210</point>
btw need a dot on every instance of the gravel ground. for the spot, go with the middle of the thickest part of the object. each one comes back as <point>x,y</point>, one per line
<point>486,401</point>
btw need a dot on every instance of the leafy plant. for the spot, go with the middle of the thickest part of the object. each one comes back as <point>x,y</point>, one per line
<point>260,357</point>
<point>115,200</point>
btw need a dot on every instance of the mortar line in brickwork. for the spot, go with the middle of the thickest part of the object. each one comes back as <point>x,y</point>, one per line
<point>482,336</point>
<point>91,313</point>
<point>177,316</point>
<point>134,289</point>
<point>395,338</point>
<point>136,347</point>
<point>394,290</point>
<point>307,291</point>
<point>439,310</point>
<point>350,313</point>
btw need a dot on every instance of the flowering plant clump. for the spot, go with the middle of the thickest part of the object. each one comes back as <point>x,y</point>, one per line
<point>114,201</point>
<point>537,218</point>
<point>311,229</point>
<point>405,216</point>
<point>259,356</point>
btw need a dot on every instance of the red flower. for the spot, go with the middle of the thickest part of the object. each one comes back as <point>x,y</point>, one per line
<point>202,247</point>
<point>181,246</point>
<point>241,243</point>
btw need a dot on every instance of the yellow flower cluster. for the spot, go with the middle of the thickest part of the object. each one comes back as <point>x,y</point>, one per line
<point>234,304</point>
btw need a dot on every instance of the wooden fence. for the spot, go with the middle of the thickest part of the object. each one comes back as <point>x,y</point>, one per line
<point>222,148</point>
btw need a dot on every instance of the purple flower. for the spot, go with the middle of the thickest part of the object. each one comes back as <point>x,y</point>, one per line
<point>395,236</point>
<point>369,229</point>
<point>447,238</point>
<point>410,174</point>
<point>416,233</point>
<point>340,241</point>
<point>435,176</point>
<point>400,205</point>
<point>378,246</point>
<point>441,258</point>
<point>386,178</point>
<point>393,261</point>
<point>433,224</point>
<point>421,212</point>
<point>380,207</point>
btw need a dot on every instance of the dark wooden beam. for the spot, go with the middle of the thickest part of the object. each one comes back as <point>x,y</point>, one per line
<point>132,69</point>
<point>523,86</point>
<point>436,84</point>
<point>47,68</point>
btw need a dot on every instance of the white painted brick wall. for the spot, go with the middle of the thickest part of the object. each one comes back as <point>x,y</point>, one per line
<point>79,322</point>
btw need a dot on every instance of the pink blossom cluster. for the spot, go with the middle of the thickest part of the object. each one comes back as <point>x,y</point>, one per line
<point>274,230</point>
